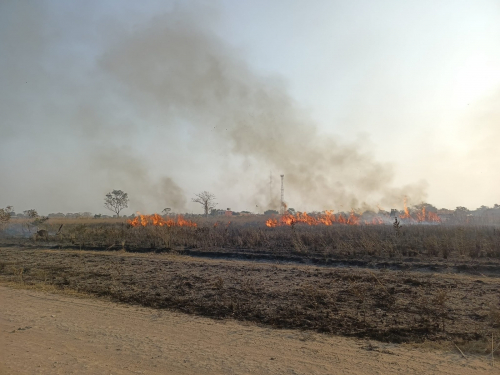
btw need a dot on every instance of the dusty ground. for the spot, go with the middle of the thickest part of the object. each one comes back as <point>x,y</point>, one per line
<point>42,333</point>
<point>387,305</point>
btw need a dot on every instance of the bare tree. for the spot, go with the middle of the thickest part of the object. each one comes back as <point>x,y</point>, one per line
<point>207,200</point>
<point>116,201</point>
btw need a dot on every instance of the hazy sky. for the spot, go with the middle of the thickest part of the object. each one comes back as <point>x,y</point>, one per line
<point>358,103</point>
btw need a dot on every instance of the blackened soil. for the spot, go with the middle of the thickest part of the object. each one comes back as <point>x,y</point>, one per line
<point>475,267</point>
<point>383,304</point>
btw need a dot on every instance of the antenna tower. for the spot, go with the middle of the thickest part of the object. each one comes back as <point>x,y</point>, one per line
<point>282,207</point>
<point>270,188</point>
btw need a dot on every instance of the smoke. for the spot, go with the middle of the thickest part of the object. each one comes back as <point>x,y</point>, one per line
<point>172,77</point>
<point>177,68</point>
<point>126,169</point>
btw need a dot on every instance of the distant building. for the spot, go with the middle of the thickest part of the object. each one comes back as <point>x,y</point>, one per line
<point>215,212</point>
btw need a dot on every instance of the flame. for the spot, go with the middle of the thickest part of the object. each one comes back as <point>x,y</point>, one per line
<point>433,217</point>
<point>353,219</point>
<point>329,218</point>
<point>406,215</point>
<point>157,220</point>
<point>271,223</point>
<point>375,221</point>
<point>326,218</point>
<point>421,216</point>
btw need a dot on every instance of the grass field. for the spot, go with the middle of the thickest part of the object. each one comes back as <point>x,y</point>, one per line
<point>250,234</point>
<point>407,284</point>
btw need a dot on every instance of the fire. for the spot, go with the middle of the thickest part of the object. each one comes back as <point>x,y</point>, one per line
<point>329,218</point>
<point>375,221</point>
<point>433,217</point>
<point>422,216</point>
<point>406,215</point>
<point>326,218</point>
<point>271,223</point>
<point>157,220</point>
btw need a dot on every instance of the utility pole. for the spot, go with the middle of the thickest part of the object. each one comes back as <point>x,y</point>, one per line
<point>282,208</point>
<point>270,189</point>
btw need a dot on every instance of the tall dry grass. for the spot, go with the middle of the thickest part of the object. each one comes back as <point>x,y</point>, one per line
<point>250,233</point>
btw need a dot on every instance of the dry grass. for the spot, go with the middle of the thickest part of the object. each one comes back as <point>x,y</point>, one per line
<point>327,242</point>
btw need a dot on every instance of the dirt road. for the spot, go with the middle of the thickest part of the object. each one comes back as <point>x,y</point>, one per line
<point>42,333</point>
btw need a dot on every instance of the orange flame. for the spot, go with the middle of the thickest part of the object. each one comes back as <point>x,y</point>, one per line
<point>433,217</point>
<point>406,215</point>
<point>329,218</point>
<point>422,216</point>
<point>326,218</point>
<point>157,220</point>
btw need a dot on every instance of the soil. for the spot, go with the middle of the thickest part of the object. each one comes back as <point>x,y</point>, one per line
<point>43,333</point>
<point>383,304</point>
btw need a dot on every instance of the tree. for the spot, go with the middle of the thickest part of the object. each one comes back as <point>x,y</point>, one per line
<point>116,201</point>
<point>462,210</point>
<point>32,214</point>
<point>5,214</point>
<point>428,207</point>
<point>207,200</point>
<point>271,212</point>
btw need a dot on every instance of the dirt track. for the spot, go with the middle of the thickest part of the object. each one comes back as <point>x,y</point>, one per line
<point>44,333</point>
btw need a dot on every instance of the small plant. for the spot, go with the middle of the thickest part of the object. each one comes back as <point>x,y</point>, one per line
<point>397,227</point>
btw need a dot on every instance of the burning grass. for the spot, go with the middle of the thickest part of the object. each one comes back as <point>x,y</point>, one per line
<point>245,236</point>
<point>160,221</point>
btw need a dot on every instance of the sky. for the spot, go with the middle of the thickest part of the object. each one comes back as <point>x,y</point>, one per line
<point>359,104</point>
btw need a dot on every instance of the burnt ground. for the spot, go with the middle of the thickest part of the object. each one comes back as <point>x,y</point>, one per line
<point>393,305</point>
<point>486,266</point>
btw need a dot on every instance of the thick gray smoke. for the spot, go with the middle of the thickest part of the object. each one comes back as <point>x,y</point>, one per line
<point>169,76</point>
<point>177,69</point>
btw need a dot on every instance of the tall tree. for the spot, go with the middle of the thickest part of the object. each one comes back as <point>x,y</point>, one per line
<point>207,200</point>
<point>116,201</point>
